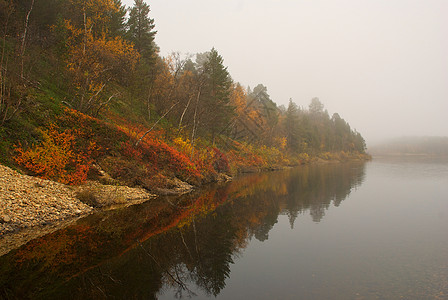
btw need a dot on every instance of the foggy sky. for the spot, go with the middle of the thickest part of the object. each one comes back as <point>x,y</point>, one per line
<point>381,64</point>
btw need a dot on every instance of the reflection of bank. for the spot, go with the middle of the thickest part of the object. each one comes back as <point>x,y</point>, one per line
<point>178,246</point>
<point>255,202</point>
<point>314,188</point>
<point>311,187</point>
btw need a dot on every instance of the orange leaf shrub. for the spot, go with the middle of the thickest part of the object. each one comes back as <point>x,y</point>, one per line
<point>57,157</point>
<point>209,161</point>
<point>166,157</point>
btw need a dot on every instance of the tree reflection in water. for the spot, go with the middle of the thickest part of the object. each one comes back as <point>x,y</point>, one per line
<point>145,250</point>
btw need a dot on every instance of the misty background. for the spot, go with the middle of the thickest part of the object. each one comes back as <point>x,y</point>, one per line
<point>382,65</point>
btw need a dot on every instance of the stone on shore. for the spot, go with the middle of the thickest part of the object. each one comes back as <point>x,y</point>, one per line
<point>27,201</point>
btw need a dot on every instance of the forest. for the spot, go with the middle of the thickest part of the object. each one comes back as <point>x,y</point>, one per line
<point>84,89</point>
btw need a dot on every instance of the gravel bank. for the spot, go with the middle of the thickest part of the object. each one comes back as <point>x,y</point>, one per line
<point>27,201</point>
<point>31,207</point>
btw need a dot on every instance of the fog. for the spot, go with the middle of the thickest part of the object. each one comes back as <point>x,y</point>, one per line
<point>381,64</point>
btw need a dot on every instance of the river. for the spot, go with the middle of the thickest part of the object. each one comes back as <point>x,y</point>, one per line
<point>375,230</point>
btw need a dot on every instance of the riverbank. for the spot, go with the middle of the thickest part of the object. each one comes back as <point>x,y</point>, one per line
<point>31,207</point>
<point>27,201</point>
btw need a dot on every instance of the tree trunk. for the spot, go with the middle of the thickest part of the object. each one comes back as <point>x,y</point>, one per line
<point>183,113</point>
<point>22,48</point>
<point>195,121</point>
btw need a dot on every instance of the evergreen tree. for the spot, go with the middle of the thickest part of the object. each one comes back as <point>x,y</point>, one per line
<point>360,143</point>
<point>316,107</point>
<point>216,93</point>
<point>117,24</point>
<point>341,131</point>
<point>141,30</point>
<point>270,110</point>
<point>292,126</point>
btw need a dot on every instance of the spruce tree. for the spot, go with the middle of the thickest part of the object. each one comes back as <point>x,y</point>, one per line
<point>141,30</point>
<point>292,126</point>
<point>216,94</point>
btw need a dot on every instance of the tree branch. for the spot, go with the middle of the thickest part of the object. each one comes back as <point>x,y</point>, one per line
<point>141,138</point>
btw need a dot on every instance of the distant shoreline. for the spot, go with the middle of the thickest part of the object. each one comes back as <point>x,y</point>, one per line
<point>408,154</point>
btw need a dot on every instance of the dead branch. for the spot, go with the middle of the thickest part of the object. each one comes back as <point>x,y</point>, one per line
<point>154,125</point>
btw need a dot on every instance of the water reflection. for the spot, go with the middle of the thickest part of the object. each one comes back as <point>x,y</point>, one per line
<point>186,244</point>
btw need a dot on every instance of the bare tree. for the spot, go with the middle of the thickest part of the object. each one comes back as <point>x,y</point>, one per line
<point>25,31</point>
<point>13,84</point>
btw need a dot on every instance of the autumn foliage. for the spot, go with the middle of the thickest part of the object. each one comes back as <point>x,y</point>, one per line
<point>83,81</point>
<point>57,156</point>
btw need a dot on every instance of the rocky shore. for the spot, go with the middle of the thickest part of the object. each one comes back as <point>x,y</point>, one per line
<point>31,207</point>
<point>26,201</point>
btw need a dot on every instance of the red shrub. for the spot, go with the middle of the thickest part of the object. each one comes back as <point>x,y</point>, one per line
<point>57,157</point>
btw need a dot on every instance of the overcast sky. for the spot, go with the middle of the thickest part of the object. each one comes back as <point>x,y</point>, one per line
<point>381,64</point>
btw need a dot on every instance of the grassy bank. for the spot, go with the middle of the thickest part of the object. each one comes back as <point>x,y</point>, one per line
<point>73,147</point>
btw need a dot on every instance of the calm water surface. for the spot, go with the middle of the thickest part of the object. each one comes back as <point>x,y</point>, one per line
<point>345,231</point>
